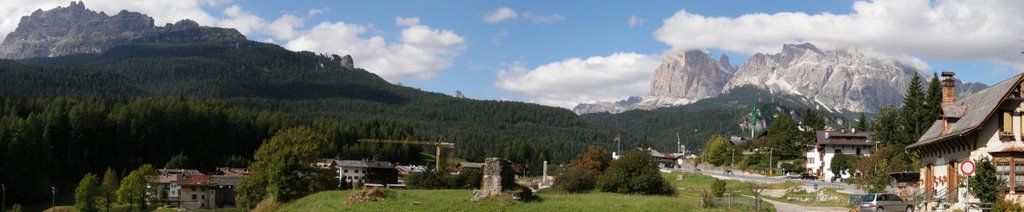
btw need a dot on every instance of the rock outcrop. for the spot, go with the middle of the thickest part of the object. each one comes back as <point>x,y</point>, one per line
<point>77,30</point>
<point>838,79</point>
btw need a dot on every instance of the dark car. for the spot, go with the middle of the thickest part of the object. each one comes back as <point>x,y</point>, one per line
<point>884,202</point>
<point>728,172</point>
<point>808,176</point>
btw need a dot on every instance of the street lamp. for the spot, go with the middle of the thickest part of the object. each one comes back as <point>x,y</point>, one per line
<point>3,206</point>
<point>770,164</point>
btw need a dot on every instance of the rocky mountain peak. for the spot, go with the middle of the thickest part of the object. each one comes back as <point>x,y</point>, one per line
<point>76,30</point>
<point>691,74</point>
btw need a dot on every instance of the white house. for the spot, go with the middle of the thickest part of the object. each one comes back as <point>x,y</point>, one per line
<point>829,143</point>
<point>985,124</point>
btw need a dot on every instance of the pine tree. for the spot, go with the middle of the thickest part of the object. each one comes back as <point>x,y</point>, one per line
<point>933,105</point>
<point>862,123</point>
<point>984,184</point>
<point>910,113</point>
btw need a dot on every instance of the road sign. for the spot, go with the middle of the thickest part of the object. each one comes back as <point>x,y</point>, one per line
<point>967,167</point>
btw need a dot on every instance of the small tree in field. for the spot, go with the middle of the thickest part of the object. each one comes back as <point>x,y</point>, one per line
<point>86,193</point>
<point>634,173</point>
<point>582,173</point>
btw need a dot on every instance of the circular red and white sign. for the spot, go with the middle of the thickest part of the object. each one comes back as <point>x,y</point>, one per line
<point>967,167</point>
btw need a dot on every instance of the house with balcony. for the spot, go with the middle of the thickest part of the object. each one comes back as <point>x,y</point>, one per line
<point>988,124</point>
<point>829,143</point>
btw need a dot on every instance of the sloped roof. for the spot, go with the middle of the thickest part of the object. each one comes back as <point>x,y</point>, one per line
<point>471,165</point>
<point>977,108</point>
<point>832,138</point>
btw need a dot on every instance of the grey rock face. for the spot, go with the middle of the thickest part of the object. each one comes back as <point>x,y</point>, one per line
<point>345,61</point>
<point>691,75</point>
<point>600,107</point>
<point>76,30</point>
<point>838,79</point>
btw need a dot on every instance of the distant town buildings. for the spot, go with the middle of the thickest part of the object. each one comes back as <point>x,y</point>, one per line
<point>190,189</point>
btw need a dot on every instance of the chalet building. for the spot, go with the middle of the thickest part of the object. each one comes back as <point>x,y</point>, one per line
<point>829,143</point>
<point>985,124</point>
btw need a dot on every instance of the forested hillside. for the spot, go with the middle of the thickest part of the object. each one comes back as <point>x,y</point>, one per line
<point>303,86</point>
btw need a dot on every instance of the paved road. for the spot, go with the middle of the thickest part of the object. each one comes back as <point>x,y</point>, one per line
<point>750,177</point>
<point>786,207</point>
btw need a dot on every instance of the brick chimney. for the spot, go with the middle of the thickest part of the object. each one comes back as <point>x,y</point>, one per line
<point>948,87</point>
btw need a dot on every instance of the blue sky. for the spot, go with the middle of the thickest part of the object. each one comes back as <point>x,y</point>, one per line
<point>544,53</point>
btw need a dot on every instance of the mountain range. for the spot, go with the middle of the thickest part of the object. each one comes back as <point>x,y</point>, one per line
<point>841,79</point>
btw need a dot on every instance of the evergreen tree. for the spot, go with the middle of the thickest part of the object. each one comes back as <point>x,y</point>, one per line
<point>886,128</point>
<point>785,139</point>
<point>862,123</point>
<point>812,123</point>
<point>910,113</point>
<point>179,161</point>
<point>933,105</point>
<point>984,184</point>
<point>86,193</point>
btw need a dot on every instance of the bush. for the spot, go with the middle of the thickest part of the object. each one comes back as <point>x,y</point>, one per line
<point>581,174</point>
<point>984,184</point>
<point>426,180</point>
<point>718,188</point>
<point>634,173</point>
<point>467,179</point>
<point>1003,205</point>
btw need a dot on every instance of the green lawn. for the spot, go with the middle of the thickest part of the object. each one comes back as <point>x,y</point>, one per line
<point>458,200</point>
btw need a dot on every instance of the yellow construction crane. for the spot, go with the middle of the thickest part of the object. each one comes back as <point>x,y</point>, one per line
<point>437,144</point>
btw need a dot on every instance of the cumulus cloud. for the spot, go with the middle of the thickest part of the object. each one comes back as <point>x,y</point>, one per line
<point>635,21</point>
<point>945,29</point>
<point>571,81</point>
<point>241,20</point>
<point>502,14</point>
<point>413,21</point>
<point>284,27</point>
<point>162,12</point>
<point>506,14</point>
<point>421,52</point>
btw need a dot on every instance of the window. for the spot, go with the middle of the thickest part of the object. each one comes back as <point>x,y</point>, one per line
<point>858,150</point>
<point>1018,172</point>
<point>1007,123</point>
<point>1003,171</point>
<point>193,197</point>
<point>810,160</point>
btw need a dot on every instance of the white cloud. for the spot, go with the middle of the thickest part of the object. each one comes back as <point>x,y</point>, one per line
<point>635,21</point>
<point>421,53</point>
<point>162,12</point>
<point>506,14</point>
<point>413,21</point>
<point>241,20</point>
<point>945,29</point>
<point>315,11</point>
<point>571,81</point>
<point>543,19</point>
<point>502,14</point>
<point>284,27</point>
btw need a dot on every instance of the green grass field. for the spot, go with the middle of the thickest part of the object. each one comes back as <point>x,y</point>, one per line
<point>458,200</point>
<point>688,199</point>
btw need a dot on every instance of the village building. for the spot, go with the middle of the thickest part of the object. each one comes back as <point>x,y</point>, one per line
<point>195,192</point>
<point>405,171</point>
<point>830,143</point>
<point>361,172</point>
<point>987,123</point>
<point>462,166</point>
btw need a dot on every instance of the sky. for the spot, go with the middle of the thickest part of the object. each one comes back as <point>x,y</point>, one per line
<point>562,53</point>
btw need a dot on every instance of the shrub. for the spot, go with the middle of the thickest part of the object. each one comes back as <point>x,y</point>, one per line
<point>426,180</point>
<point>984,184</point>
<point>634,173</point>
<point>718,188</point>
<point>467,179</point>
<point>581,174</point>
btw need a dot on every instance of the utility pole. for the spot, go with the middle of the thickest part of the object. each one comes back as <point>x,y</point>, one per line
<point>3,206</point>
<point>53,200</point>
<point>770,150</point>
<point>732,158</point>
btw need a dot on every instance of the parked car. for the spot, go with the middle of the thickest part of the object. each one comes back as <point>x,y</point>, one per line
<point>808,176</point>
<point>792,175</point>
<point>728,172</point>
<point>884,202</point>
